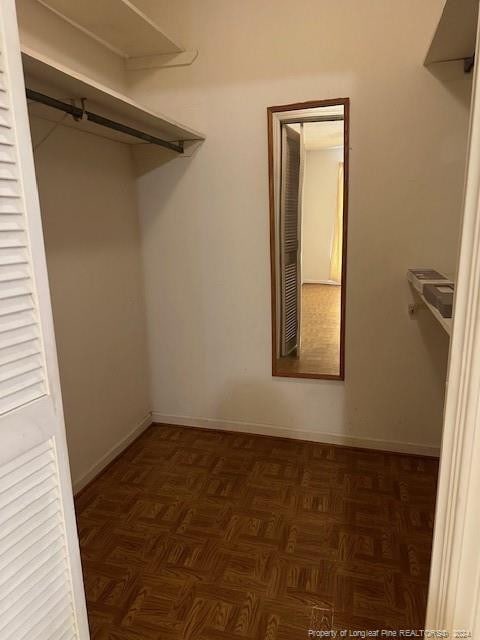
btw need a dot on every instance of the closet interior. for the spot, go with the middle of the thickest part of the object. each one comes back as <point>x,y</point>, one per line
<point>258,499</point>
<point>91,141</point>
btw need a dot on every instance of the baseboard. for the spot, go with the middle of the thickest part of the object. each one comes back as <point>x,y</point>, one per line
<point>115,451</point>
<point>331,282</point>
<point>308,435</point>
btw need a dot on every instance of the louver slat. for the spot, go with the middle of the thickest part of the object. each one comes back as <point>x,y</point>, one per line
<point>22,375</point>
<point>290,205</point>
<point>291,301</point>
<point>290,179</point>
<point>35,593</point>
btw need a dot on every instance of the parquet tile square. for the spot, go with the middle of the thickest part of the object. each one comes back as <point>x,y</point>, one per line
<point>205,535</point>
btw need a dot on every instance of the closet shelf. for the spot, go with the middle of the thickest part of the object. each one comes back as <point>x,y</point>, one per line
<point>117,24</point>
<point>47,76</point>
<point>446,323</point>
<point>455,36</point>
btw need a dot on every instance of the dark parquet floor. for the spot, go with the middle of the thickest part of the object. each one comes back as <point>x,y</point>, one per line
<point>203,535</point>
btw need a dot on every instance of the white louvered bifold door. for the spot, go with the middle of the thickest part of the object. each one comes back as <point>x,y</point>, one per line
<point>22,372</point>
<point>35,593</point>
<point>41,588</point>
<point>289,241</point>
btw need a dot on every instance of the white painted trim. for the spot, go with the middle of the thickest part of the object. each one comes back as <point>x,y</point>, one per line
<point>331,282</point>
<point>454,591</point>
<point>297,434</point>
<point>112,454</point>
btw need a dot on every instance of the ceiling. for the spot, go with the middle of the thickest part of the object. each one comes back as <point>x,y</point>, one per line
<point>322,135</point>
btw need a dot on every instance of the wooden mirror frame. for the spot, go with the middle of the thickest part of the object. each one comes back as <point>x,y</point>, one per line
<point>345,102</point>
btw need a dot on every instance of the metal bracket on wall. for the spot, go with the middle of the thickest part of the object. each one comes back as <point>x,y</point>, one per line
<point>468,64</point>
<point>414,307</point>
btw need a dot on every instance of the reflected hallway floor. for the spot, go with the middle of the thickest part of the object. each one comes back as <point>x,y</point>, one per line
<point>319,332</point>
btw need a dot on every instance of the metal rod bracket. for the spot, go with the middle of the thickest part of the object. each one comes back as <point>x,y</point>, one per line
<point>468,64</point>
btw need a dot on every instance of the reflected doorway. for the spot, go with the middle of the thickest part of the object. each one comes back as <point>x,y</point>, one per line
<point>308,154</point>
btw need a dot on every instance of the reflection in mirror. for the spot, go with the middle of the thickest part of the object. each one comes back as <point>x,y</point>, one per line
<point>308,155</point>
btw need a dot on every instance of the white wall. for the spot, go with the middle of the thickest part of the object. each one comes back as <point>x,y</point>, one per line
<point>319,212</point>
<point>205,219</point>
<point>92,241</point>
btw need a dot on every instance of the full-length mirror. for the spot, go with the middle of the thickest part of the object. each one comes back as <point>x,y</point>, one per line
<point>308,163</point>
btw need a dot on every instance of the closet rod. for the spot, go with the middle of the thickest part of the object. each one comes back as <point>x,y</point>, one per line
<point>79,113</point>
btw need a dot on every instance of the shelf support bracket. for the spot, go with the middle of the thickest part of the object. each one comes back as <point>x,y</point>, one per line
<point>414,307</point>
<point>468,64</point>
<point>164,60</point>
